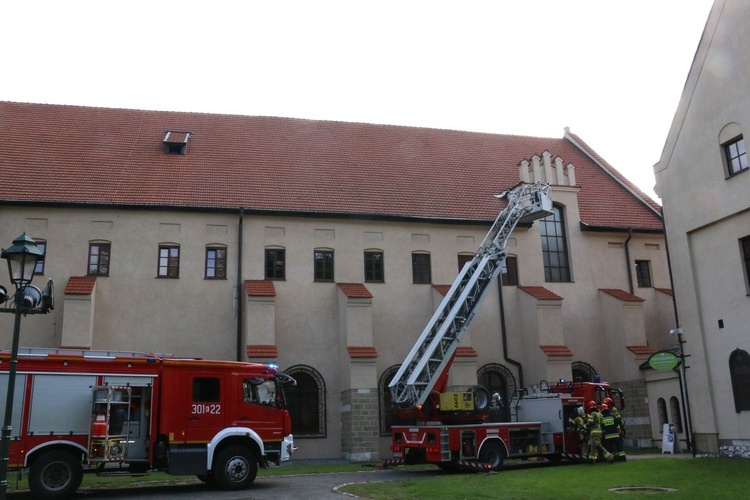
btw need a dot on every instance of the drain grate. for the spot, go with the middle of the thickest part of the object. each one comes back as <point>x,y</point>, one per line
<point>642,489</point>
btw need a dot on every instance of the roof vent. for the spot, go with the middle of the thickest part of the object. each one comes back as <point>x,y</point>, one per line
<point>175,143</point>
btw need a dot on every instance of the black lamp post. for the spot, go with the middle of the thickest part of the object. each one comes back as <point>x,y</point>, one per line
<point>22,258</point>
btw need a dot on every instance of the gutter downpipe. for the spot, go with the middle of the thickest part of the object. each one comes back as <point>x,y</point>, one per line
<point>627,260</point>
<point>504,335</point>
<point>239,283</point>
<point>683,375</point>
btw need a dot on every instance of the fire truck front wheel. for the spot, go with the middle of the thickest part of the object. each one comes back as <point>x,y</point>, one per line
<point>235,468</point>
<point>492,453</point>
<point>56,474</point>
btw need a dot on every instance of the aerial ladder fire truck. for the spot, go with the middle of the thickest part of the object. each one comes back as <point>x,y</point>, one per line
<point>457,429</point>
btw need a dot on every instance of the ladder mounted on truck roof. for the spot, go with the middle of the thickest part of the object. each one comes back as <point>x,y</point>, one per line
<point>434,350</point>
<point>41,352</point>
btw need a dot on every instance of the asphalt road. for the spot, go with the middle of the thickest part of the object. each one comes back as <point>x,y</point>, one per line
<point>310,486</point>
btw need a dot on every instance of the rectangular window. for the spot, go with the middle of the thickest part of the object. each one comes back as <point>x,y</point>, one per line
<point>169,261</point>
<point>206,390</point>
<point>99,259</point>
<point>509,273</point>
<point>374,270</point>
<point>420,269</point>
<point>39,269</point>
<point>736,156</point>
<point>463,259</point>
<point>275,264</point>
<point>643,273</point>
<point>216,263</point>
<point>745,245</point>
<point>323,265</point>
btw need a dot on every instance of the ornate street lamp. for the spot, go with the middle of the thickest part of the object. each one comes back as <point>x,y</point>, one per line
<point>22,258</point>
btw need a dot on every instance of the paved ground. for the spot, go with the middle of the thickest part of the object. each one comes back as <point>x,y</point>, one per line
<point>310,486</point>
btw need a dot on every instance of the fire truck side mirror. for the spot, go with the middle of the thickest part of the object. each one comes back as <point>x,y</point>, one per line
<point>3,294</point>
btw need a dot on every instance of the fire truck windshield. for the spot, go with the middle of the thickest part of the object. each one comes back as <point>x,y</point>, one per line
<point>259,391</point>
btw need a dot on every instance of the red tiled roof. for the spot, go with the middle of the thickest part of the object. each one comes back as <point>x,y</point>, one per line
<point>614,212</point>
<point>103,156</point>
<point>442,289</point>
<point>556,350</point>
<point>466,352</point>
<point>355,290</point>
<point>666,291</point>
<point>80,285</point>
<point>540,293</point>
<point>362,352</point>
<point>262,351</point>
<point>621,295</point>
<point>260,288</point>
<point>641,349</point>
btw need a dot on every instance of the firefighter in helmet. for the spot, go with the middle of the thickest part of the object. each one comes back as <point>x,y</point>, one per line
<point>620,423</point>
<point>611,433</point>
<point>579,424</point>
<point>594,425</point>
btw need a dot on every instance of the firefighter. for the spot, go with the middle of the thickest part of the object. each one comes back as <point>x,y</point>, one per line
<point>610,430</point>
<point>579,424</point>
<point>620,422</point>
<point>594,425</point>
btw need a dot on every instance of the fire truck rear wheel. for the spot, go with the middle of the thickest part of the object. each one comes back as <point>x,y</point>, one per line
<point>56,474</point>
<point>492,453</point>
<point>235,468</point>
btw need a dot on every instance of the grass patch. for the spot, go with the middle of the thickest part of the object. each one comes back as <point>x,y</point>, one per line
<point>692,478</point>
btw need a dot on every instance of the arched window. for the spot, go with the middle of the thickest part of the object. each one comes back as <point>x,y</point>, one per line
<point>99,257</point>
<point>739,372</point>
<point>674,412</point>
<point>386,413</point>
<point>583,372</point>
<point>420,268</point>
<point>661,408</point>
<point>498,379</point>
<point>306,402</point>
<point>733,149</point>
<point>555,246</point>
<point>275,263</point>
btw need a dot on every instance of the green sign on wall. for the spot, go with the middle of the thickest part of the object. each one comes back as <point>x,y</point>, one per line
<point>663,361</point>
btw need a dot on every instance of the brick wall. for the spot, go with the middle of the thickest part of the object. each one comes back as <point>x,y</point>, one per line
<point>360,429</point>
<point>636,415</point>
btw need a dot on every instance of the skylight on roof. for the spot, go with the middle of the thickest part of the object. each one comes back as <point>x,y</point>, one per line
<point>175,143</point>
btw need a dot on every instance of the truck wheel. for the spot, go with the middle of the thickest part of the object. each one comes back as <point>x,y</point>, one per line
<point>235,468</point>
<point>493,454</point>
<point>56,474</point>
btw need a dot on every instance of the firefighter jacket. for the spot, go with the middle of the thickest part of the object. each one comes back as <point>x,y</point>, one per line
<point>609,425</point>
<point>594,423</point>
<point>579,424</point>
<point>619,421</point>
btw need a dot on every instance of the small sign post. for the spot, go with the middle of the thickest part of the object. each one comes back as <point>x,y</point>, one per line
<point>667,439</point>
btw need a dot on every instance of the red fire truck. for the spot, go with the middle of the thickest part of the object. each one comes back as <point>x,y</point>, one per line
<point>130,413</point>
<point>463,429</point>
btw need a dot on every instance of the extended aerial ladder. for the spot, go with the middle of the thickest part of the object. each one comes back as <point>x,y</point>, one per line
<point>426,366</point>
